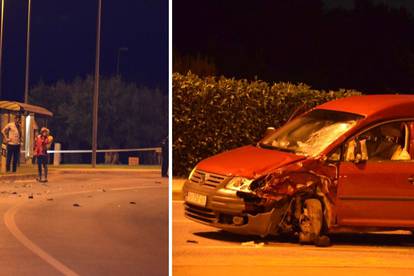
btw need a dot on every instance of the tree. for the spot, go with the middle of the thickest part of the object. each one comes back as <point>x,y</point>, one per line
<point>129,115</point>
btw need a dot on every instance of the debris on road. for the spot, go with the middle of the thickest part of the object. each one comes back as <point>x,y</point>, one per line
<point>76,205</point>
<point>30,196</point>
<point>132,202</point>
<point>49,199</point>
<point>192,241</point>
<point>253,244</point>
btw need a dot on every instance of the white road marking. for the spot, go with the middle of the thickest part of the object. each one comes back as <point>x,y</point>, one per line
<point>9,221</point>
<point>11,225</point>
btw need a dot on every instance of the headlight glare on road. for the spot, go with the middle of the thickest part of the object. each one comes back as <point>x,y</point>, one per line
<point>239,184</point>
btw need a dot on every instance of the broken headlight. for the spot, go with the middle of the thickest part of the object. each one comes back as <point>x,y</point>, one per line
<point>239,184</point>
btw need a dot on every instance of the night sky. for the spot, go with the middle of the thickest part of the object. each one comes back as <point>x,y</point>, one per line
<point>349,4</point>
<point>367,45</point>
<point>63,42</point>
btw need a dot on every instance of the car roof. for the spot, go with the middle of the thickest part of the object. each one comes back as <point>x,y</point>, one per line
<point>384,106</point>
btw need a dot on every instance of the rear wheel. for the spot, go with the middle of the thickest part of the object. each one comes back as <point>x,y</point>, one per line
<point>311,221</point>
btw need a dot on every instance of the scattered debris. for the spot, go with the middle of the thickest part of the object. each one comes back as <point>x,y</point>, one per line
<point>192,241</point>
<point>76,205</point>
<point>30,196</point>
<point>253,244</point>
<point>132,202</point>
<point>49,199</point>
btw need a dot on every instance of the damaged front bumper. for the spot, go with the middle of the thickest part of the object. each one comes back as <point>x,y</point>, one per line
<point>225,210</point>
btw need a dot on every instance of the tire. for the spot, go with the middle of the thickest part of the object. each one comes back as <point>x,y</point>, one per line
<point>311,221</point>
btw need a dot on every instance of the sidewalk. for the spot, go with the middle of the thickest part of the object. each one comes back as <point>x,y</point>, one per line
<point>177,187</point>
<point>30,171</point>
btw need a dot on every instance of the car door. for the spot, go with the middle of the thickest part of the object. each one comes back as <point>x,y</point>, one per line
<point>377,191</point>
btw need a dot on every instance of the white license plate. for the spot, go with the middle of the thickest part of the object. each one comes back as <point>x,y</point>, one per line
<point>196,199</point>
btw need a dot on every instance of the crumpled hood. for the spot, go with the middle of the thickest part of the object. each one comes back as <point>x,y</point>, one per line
<point>247,161</point>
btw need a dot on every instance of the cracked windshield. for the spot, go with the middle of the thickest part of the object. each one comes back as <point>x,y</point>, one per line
<point>310,134</point>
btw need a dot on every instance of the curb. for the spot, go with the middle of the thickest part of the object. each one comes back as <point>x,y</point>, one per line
<point>10,178</point>
<point>14,177</point>
<point>103,171</point>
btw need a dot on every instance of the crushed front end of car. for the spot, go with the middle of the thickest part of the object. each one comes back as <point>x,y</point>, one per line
<point>270,204</point>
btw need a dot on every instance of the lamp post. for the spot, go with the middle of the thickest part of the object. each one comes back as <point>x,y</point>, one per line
<point>1,48</point>
<point>96,86</point>
<point>120,50</point>
<point>26,81</point>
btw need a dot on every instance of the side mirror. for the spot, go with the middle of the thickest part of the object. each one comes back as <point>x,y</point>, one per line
<point>269,131</point>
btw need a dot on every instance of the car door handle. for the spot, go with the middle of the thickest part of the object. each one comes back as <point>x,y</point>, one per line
<point>411,180</point>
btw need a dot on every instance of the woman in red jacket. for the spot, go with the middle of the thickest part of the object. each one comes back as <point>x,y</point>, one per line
<point>41,145</point>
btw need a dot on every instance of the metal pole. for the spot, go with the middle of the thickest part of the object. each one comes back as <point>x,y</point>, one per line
<point>96,86</point>
<point>26,82</point>
<point>1,48</point>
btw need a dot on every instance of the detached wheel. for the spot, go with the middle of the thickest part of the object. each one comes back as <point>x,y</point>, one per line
<point>311,222</point>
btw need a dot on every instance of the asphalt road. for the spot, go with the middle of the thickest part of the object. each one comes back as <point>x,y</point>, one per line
<point>111,223</point>
<point>202,250</point>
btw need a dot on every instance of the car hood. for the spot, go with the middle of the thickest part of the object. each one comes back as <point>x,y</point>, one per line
<point>248,161</point>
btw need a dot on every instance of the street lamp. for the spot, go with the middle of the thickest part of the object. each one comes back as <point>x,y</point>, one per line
<point>26,81</point>
<point>122,49</point>
<point>96,86</point>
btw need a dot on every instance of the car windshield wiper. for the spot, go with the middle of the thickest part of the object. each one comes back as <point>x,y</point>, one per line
<point>265,146</point>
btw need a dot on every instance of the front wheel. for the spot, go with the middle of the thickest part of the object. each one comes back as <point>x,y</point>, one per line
<point>311,221</point>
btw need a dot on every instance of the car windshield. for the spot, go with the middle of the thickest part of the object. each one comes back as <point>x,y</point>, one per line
<point>310,134</point>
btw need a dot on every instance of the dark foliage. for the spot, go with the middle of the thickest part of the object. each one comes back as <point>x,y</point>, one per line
<point>129,115</point>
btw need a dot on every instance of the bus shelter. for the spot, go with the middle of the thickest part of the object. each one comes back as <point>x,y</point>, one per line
<point>33,118</point>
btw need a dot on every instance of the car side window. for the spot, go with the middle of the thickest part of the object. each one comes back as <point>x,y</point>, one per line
<point>389,141</point>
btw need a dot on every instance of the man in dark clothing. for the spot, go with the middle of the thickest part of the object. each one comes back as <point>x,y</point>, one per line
<point>164,150</point>
<point>12,136</point>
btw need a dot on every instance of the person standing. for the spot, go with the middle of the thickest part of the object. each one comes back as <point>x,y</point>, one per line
<point>12,134</point>
<point>164,159</point>
<point>41,145</point>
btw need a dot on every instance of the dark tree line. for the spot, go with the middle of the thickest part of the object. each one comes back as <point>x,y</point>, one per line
<point>129,115</point>
<point>369,47</point>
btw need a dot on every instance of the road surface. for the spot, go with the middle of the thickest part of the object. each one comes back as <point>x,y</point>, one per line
<point>202,250</point>
<point>111,223</point>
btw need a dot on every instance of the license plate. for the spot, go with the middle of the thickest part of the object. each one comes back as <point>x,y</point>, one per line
<point>196,199</point>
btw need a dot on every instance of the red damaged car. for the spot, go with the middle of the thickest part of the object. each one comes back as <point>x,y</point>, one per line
<point>345,165</point>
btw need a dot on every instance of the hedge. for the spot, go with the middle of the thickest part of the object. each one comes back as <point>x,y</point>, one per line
<point>215,114</point>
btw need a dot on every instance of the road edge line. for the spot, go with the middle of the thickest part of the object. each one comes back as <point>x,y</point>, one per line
<point>25,241</point>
